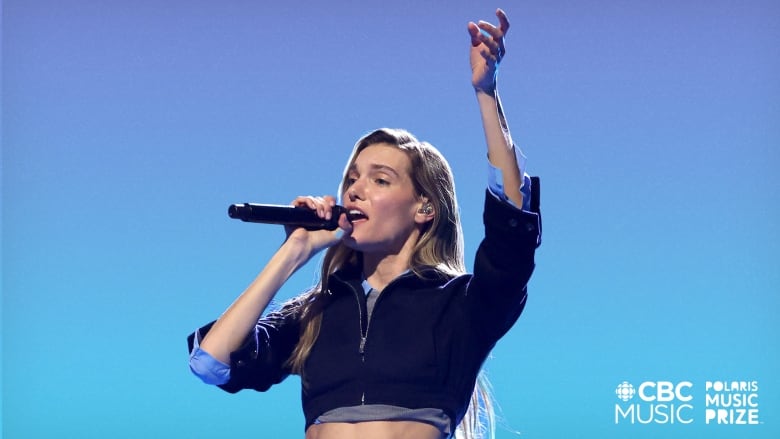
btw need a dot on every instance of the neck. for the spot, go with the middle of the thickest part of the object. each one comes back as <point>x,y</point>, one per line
<point>380,271</point>
<point>380,268</point>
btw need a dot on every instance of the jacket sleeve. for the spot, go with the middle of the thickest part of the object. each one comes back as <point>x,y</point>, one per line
<point>504,262</point>
<point>260,361</point>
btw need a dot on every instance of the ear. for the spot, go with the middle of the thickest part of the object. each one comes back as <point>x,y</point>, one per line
<point>425,213</point>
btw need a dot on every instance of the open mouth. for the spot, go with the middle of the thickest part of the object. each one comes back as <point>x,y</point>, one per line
<point>356,215</point>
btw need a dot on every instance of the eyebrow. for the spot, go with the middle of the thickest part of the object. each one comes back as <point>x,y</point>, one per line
<point>376,167</point>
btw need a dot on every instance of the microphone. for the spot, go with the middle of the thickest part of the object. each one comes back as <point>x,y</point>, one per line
<point>293,216</point>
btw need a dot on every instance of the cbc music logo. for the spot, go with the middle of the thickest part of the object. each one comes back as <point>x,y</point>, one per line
<point>667,402</point>
<point>625,391</point>
<point>659,402</point>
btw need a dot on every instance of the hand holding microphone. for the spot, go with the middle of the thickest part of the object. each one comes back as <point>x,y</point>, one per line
<point>315,222</point>
<point>309,213</point>
<point>290,216</point>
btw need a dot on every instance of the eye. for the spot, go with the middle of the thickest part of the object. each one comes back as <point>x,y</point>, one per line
<point>381,182</point>
<point>350,181</point>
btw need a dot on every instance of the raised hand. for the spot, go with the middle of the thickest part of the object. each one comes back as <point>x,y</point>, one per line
<point>487,50</point>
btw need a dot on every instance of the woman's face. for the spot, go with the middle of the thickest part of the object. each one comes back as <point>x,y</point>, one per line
<point>380,193</point>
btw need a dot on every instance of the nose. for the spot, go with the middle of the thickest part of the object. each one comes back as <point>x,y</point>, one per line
<point>355,190</point>
<point>353,195</point>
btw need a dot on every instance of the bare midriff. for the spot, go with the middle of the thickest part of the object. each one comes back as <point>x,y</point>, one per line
<point>374,430</point>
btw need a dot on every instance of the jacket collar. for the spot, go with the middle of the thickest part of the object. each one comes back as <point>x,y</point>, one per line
<point>351,276</point>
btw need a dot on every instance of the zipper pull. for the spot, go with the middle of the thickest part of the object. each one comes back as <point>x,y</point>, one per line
<point>362,348</point>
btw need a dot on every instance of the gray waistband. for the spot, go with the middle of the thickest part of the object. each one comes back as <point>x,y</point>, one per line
<point>381,412</point>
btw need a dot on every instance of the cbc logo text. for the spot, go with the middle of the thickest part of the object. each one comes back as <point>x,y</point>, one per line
<point>658,402</point>
<point>672,402</point>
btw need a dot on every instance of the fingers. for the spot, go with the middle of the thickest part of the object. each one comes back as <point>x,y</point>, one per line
<point>474,32</point>
<point>503,21</point>
<point>320,239</point>
<point>345,227</point>
<point>503,25</point>
<point>323,205</point>
<point>491,36</point>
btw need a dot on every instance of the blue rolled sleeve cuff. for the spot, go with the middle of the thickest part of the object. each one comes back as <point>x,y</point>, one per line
<point>207,368</point>
<point>496,182</point>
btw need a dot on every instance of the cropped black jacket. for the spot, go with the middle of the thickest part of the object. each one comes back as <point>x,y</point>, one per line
<point>427,337</point>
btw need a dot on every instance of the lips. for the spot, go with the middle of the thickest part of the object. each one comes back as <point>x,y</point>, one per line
<point>356,215</point>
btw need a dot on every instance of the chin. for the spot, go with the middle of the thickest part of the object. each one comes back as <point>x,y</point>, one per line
<point>363,245</point>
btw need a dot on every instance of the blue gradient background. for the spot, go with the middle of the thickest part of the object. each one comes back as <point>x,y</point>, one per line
<point>128,127</point>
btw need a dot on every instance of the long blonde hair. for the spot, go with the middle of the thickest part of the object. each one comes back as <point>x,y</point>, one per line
<point>440,245</point>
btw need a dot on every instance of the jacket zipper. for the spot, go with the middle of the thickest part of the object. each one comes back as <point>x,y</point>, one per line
<point>362,346</point>
<point>364,337</point>
<point>364,334</point>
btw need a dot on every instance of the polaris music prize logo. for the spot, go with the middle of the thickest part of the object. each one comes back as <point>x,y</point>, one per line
<point>670,402</point>
<point>731,402</point>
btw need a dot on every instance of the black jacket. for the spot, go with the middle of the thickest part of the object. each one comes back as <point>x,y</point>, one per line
<point>427,338</point>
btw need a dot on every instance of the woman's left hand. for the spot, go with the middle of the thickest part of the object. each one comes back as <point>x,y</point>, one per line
<point>487,50</point>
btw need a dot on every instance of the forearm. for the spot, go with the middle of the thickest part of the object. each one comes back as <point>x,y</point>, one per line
<point>499,144</point>
<point>240,318</point>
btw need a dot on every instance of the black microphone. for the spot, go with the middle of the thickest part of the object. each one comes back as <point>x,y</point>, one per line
<point>293,216</point>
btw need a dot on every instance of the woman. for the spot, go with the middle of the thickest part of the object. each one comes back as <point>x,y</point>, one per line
<point>390,343</point>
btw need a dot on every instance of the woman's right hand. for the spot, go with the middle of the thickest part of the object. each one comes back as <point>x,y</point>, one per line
<point>230,330</point>
<point>313,241</point>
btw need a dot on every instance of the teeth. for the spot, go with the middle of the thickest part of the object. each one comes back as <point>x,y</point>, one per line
<point>356,214</point>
